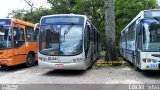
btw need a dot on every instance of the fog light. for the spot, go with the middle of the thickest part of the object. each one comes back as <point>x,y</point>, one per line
<point>77,60</point>
<point>147,66</point>
<point>154,61</point>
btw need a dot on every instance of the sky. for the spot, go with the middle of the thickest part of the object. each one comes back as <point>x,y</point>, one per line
<point>7,6</point>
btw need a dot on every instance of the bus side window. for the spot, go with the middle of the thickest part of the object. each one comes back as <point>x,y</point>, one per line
<point>29,34</point>
<point>18,34</point>
<point>139,35</point>
<point>94,34</point>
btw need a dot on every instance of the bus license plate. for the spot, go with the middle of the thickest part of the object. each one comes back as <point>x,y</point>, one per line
<point>59,65</point>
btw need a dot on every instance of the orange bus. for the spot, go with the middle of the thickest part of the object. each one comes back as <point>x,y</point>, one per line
<point>18,44</point>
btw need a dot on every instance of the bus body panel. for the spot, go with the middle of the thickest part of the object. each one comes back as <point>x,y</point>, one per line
<point>6,57</point>
<point>77,62</point>
<point>152,62</point>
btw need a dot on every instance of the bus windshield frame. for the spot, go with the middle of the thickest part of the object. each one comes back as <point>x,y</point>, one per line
<point>151,35</point>
<point>64,39</point>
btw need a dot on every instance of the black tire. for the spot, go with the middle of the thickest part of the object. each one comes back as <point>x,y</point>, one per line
<point>135,67</point>
<point>134,64</point>
<point>30,61</point>
<point>4,66</point>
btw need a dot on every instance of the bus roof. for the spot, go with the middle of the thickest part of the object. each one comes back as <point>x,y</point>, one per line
<point>65,15</point>
<point>19,21</point>
<point>142,15</point>
<point>85,17</point>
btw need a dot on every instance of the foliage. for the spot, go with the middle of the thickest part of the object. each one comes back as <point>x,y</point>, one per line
<point>125,11</point>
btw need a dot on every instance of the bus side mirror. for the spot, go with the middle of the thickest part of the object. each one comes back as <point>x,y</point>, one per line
<point>37,25</point>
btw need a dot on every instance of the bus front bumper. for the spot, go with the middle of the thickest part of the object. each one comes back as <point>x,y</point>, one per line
<point>7,62</point>
<point>63,66</point>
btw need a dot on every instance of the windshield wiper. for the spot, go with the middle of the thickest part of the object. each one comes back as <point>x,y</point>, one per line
<point>68,29</point>
<point>157,18</point>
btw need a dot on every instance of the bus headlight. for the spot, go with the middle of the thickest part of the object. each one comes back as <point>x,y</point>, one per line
<point>149,60</point>
<point>77,60</point>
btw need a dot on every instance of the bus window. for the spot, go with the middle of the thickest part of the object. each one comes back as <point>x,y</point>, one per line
<point>36,33</point>
<point>29,34</point>
<point>5,37</point>
<point>18,34</point>
<point>139,36</point>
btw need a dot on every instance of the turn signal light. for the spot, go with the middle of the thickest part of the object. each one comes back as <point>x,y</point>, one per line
<point>144,60</point>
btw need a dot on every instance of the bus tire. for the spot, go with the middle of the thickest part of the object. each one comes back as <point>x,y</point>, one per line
<point>135,67</point>
<point>30,61</point>
<point>91,64</point>
<point>134,64</point>
<point>4,66</point>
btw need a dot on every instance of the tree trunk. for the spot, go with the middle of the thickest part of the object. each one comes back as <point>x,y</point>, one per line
<point>110,30</point>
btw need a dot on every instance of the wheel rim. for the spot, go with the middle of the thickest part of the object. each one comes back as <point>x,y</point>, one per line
<point>30,61</point>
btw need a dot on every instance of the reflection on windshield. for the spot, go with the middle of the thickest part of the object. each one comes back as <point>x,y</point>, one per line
<point>151,35</point>
<point>5,37</point>
<point>61,39</point>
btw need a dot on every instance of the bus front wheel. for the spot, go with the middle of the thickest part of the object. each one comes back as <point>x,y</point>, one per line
<point>30,60</point>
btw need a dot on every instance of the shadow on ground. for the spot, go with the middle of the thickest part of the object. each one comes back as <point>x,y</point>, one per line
<point>13,68</point>
<point>151,73</point>
<point>65,73</point>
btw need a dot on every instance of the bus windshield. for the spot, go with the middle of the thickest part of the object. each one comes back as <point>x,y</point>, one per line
<point>151,35</point>
<point>5,37</point>
<point>61,39</point>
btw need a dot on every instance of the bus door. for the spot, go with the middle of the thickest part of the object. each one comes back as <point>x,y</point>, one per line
<point>87,43</point>
<point>126,42</point>
<point>19,44</point>
<point>138,43</point>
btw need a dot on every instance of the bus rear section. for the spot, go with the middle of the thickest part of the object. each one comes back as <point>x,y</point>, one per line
<point>17,43</point>
<point>63,43</point>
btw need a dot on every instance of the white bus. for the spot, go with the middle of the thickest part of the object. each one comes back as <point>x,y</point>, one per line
<point>68,41</point>
<point>140,40</point>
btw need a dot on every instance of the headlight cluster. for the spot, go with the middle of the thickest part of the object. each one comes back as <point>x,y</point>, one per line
<point>149,60</point>
<point>43,59</point>
<point>5,57</point>
<point>77,60</point>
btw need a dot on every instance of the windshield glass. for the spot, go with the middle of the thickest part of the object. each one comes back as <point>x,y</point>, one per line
<point>151,35</point>
<point>5,37</point>
<point>61,39</point>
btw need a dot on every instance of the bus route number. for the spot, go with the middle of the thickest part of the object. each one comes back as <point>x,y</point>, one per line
<point>52,58</point>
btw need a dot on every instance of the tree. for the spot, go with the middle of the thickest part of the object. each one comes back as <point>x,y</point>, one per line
<point>17,13</point>
<point>125,12</point>
<point>31,4</point>
<point>110,30</point>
